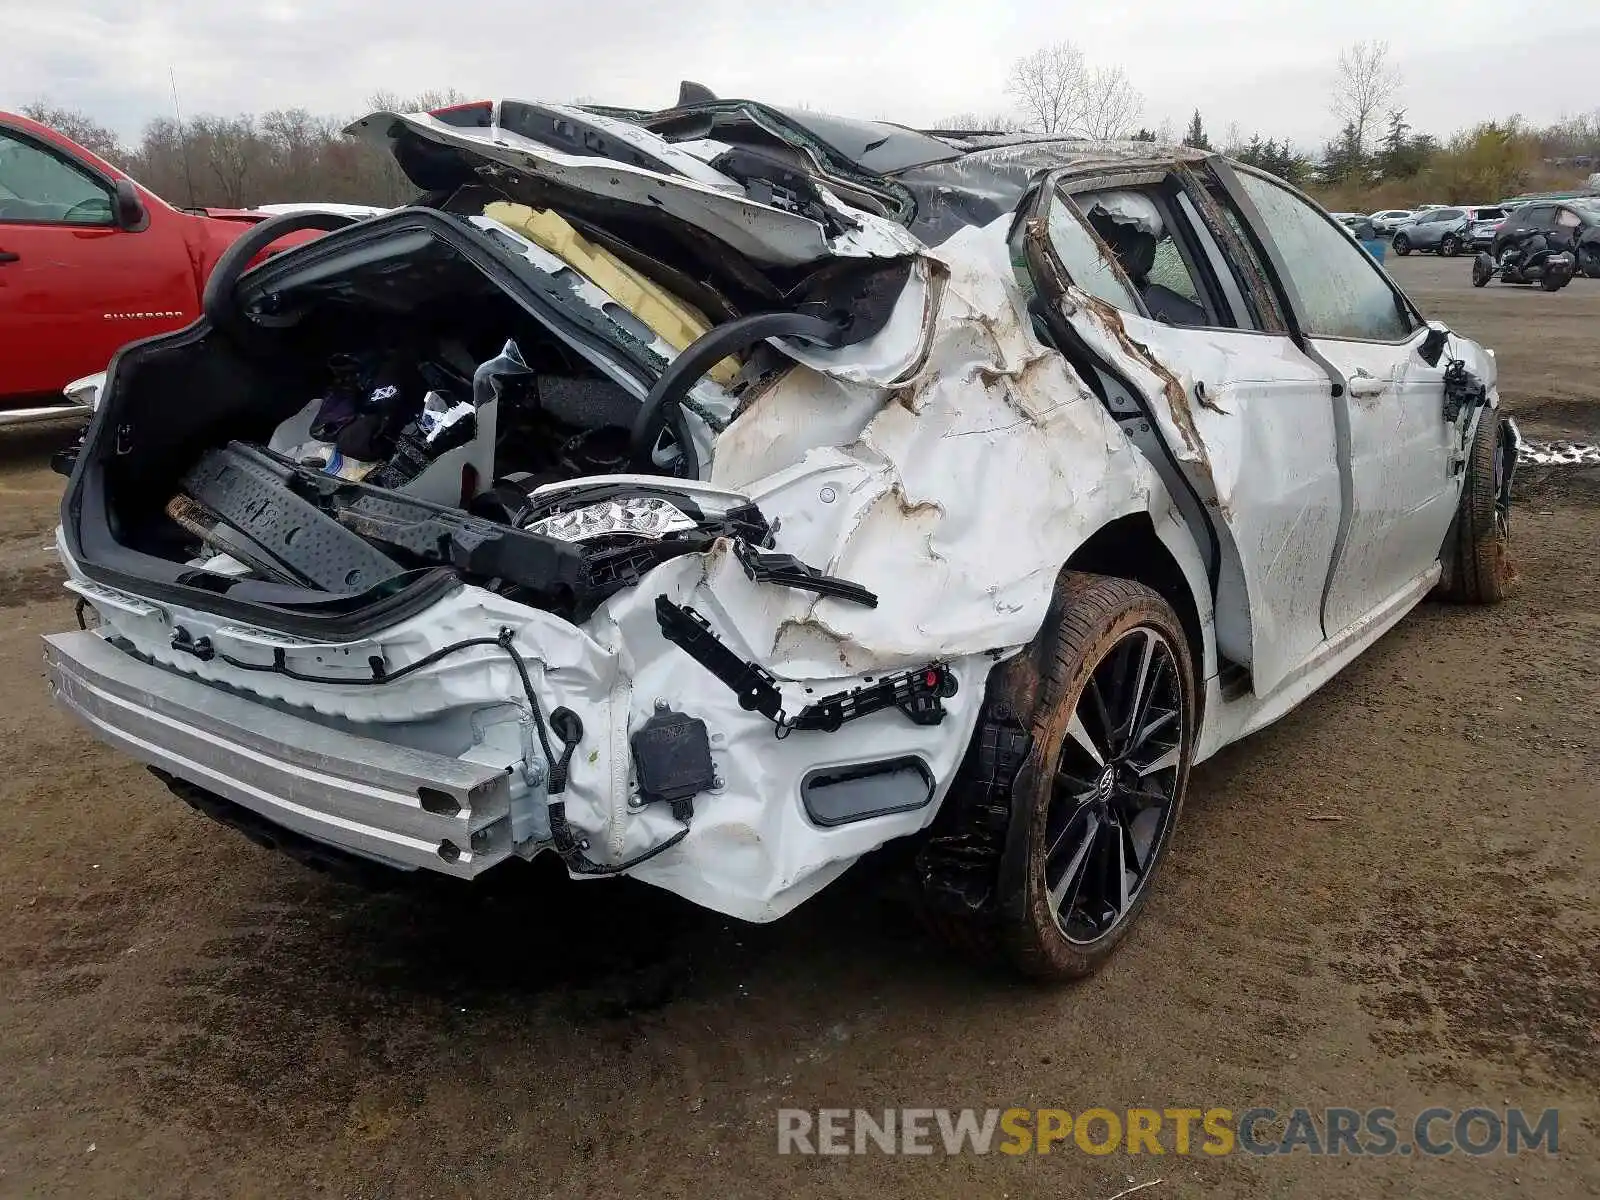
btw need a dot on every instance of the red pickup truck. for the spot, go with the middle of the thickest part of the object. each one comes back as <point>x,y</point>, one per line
<point>89,261</point>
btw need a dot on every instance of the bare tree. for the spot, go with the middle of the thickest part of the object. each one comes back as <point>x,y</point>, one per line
<point>233,151</point>
<point>81,128</point>
<point>1111,105</point>
<point>971,122</point>
<point>1365,84</point>
<point>424,101</point>
<point>1048,86</point>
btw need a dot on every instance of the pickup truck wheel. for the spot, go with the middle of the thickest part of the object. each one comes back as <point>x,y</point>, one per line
<point>1095,802</point>
<point>1477,553</point>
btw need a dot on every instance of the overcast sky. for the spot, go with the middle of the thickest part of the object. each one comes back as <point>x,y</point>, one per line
<point>1251,61</point>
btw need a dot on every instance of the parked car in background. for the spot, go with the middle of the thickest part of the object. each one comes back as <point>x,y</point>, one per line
<point>1443,230</point>
<point>89,261</point>
<point>722,515</point>
<point>1428,229</point>
<point>1572,225</point>
<point>1390,219</point>
<point>1481,231</point>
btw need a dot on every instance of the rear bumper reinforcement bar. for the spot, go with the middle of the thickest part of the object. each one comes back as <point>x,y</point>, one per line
<point>373,798</point>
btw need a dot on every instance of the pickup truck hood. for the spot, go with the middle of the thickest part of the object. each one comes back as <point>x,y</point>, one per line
<point>677,184</point>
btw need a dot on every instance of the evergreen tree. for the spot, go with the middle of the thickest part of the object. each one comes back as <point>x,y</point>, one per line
<point>1196,136</point>
<point>1343,159</point>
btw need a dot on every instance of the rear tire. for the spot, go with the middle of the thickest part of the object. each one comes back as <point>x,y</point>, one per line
<point>1402,245</point>
<point>1477,555</point>
<point>1589,261</point>
<point>1482,270</point>
<point>1450,246</point>
<point>1096,801</point>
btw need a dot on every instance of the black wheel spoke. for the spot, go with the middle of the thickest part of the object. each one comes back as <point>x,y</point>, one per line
<point>1153,724</point>
<point>1108,728</point>
<point>1130,852</point>
<point>1164,761</point>
<point>1064,892</point>
<point>1078,736</point>
<point>1060,838</point>
<point>1150,683</point>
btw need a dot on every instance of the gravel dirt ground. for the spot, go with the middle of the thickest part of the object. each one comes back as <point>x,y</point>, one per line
<point>182,1013</point>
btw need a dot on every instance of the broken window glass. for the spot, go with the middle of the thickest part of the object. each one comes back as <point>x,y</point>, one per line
<point>1083,256</point>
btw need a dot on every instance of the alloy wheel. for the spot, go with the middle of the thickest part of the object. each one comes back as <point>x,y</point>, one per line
<point>1115,787</point>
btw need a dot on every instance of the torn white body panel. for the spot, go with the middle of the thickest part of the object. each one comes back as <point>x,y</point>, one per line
<point>701,197</point>
<point>981,463</point>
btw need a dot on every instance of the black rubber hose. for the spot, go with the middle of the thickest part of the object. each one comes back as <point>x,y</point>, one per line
<point>216,302</point>
<point>711,347</point>
<point>570,733</point>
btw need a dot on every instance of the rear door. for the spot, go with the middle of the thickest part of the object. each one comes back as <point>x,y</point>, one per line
<point>1394,441</point>
<point>73,286</point>
<point>1247,415</point>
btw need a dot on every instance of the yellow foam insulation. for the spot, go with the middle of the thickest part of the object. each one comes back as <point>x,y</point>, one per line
<point>675,322</point>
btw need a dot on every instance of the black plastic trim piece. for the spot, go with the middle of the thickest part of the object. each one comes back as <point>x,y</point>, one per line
<point>919,694</point>
<point>822,777</point>
<point>690,632</point>
<point>785,570</point>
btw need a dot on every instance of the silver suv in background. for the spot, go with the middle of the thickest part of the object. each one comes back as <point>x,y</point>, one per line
<point>1444,230</point>
<point>1390,219</point>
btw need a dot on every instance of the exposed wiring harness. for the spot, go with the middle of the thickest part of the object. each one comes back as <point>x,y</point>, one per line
<point>563,722</point>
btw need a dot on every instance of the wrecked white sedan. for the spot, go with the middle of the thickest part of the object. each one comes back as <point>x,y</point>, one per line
<point>714,495</point>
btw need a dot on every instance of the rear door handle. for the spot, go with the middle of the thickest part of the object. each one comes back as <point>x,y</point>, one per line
<point>7,256</point>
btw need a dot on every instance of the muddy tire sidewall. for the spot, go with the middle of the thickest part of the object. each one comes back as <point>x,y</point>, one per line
<point>1476,561</point>
<point>1097,612</point>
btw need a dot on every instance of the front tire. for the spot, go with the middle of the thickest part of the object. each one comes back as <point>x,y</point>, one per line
<point>1477,554</point>
<point>1111,689</point>
<point>1482,270</point>
<point>1402,245</point>
<point>1589,261</point>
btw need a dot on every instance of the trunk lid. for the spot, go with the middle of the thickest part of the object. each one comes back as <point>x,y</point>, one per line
<point>608,161</point>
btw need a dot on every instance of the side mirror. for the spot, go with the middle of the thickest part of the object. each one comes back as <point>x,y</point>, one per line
<point>1432,347</point>
<point>129,209</point>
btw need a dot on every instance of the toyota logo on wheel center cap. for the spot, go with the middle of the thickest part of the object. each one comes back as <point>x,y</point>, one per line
<point>1106,784</point>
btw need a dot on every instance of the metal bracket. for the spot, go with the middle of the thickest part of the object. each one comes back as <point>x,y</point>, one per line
<point>690,632</point>
<point>769,566</point>
<point>919,694</point>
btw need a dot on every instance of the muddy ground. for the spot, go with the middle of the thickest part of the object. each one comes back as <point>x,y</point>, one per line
<point>182,1013</point>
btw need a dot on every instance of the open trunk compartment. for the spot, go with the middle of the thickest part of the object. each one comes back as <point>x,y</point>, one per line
<point>422,401</point>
